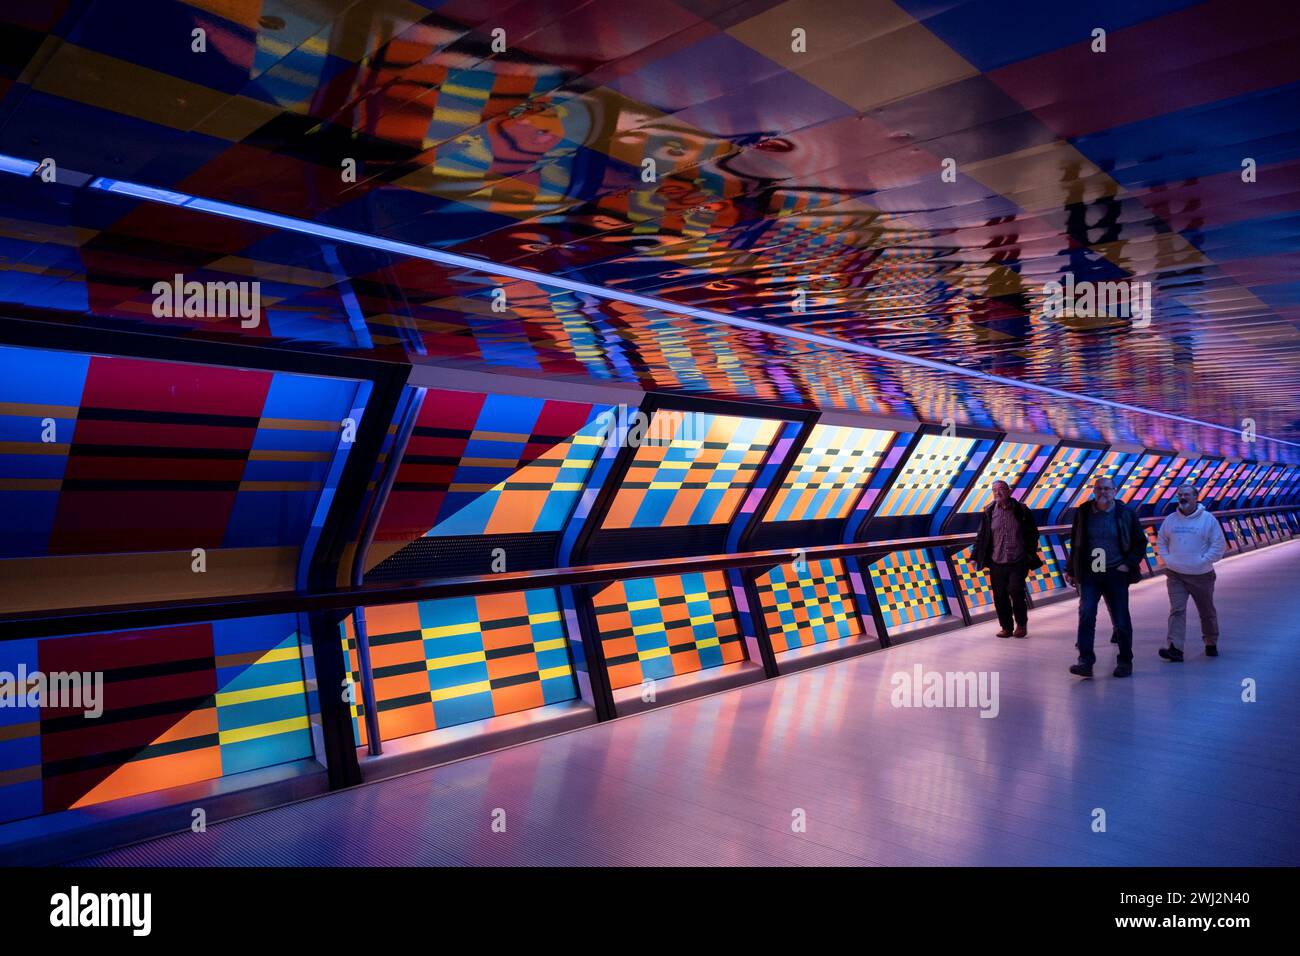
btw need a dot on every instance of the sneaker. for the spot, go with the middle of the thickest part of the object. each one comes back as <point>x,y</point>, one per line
<point>1004,633</point>
<point>1020,631</point>
<point>1123,670</point>
<point>1081,670</point>
<point>1171,653</point>
<point>1211,650</point>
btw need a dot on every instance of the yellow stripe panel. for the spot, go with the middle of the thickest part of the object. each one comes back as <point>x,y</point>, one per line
<point>274,454</point>
<point>455,660</point>
<point>33,448</point>
<point>299,424</point>
<point>450,630</point>
<point>250,694</point>
<point>257,731</point>
<point>31,484</point>
<point>279,486</point>
<point>464,690</point>
<point>273,656</point>
<point>562,671</point>
<point>38,411</point>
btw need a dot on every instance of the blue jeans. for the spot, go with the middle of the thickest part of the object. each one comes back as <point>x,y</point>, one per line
<point>1112,587</point>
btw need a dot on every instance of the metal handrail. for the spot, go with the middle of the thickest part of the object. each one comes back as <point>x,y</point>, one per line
<point>117,617</point>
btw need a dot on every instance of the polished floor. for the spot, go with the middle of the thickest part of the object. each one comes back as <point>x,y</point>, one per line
<point>1186,772</point>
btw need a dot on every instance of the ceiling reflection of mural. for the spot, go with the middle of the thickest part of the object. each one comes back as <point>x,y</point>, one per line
<point>683,150</point>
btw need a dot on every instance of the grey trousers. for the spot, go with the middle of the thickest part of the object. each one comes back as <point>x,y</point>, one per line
<point>1201,589</point>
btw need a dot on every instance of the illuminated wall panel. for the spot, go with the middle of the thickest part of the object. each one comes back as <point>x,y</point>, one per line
<point>156,456</point>
<point>661,627</point>
<point>1215,482</point>
<point>814,606</point>
<point>491,464</point>
<point>695,473</point>
<point>1055,477</point>
<point>1049,576</point>
<point>1009,462</point>
<point>455,660</point>
<point>926,475</point>
<point>1138,477</point>
<point>908,588</point>
<point>1109,466</point>
<point>181,705</point>
<point>974,582</point>
<point>1237,484</point>
<point>829,473</point>
<point>1167,479</point>
<point>1154,559</point>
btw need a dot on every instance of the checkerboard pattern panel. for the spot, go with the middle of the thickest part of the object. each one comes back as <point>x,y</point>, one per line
<point>926,475</point>
<point>1108,467</point>
<point>692,469</point>
<point>1049,576</point>
<point>492,464</point>
<point>1167,481</point>
<point>180,705</point>
<point>812,606</point>
<point>1138,477</point>
<point>908,587</point>
<point>455,660</point>
<point>974,582</point>
<point>1055,477</point>
<point>1009,462</point>
<point>662,627</point>
<point>829,473</point>
<point>103,455</point>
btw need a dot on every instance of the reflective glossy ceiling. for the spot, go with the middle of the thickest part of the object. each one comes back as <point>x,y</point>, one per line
<point>775,172</point>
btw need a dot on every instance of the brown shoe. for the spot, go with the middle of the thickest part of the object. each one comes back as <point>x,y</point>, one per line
<point>1004,633</point>
<point>1020,631</point>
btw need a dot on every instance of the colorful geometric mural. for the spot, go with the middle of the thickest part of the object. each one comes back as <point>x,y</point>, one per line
<point>455,660</point>
<point>926,475</point>
<point>1056,476</point>
<point>1010,460</point>
<point>1108,467</point>
<point>830,472</point>
<point>661,627</point>
<point>907,587</point>
<point>1167,481</point>
<point>974,582</point>
<point>692,469</point>
<point>103,455</point>
<point>492,464</point>
<point>177,705</point>
<point>1048,577</point>
<point>1139,479</point>
<point>1155,561</point>
<point>814,605</point>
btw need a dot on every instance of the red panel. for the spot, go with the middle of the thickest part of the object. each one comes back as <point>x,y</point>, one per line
<point>169,387</point>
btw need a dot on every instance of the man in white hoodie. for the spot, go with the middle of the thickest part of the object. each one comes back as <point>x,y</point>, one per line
<point>1191,541</point>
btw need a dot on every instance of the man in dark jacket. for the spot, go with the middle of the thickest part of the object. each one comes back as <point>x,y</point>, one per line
<point>1107,548</point>
<point>1007,545</point>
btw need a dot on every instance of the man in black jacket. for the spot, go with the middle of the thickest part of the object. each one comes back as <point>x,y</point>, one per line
<point>1107,548</point>
<point>1007,545</point>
